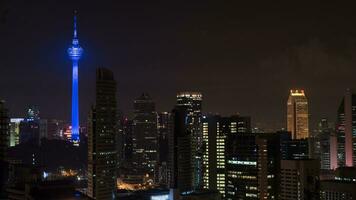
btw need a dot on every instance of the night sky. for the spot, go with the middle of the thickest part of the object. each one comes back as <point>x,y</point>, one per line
<point>244,58</point>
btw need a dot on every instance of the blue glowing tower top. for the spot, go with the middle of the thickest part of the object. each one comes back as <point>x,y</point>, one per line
<point>75,52</point>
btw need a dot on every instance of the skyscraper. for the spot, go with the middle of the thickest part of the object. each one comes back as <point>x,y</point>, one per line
<point>252,166</point>
<point>145,135</point>
<point>4,131</point>
<point>297,114</point>
<point>15,131</point>
<point>346,130</point>
<point>163,148</point>
<point>180,168</point>
<point>75,52</point>
<point>102,150</point>
<point>192,102</point>
<point>215,131</point>
<point>299,179</point>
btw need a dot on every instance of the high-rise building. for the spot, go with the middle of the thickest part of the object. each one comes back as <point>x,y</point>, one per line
<point>341,187</point>
<point>163,148</point>
<point>346,130</point>
<point>75,52</point>
<point>192,102</point>
<point>30,131</point>
<point>128,146</point>
<point>32,128</point>
<point>15,131</point>
<point>295,149</point>
<point>215,131</point>
<point>297,114</point>
<point>252,166</point>
<point>299,179</point>
<point>102,150</point>
<point>145,135</point>
<point>326,145</point>
<point>180,171</point>
<point>4,131</point>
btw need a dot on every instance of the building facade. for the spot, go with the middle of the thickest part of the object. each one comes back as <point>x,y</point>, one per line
<point>299,179</point>
<point>15,131</point>
<point>180,168</point>
<point>346,130</point>
<point>298,114</point>
<point>215,131</point>
<point>145,144</point>
<point>252,166</point>
<point>102,149</point>
<point>192,102</point>
<point>4,131</point>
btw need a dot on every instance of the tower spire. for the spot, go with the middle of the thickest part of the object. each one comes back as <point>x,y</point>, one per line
<point>75,25</point>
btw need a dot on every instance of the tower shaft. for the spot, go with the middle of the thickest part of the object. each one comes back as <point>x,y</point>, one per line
<point>75,103</point>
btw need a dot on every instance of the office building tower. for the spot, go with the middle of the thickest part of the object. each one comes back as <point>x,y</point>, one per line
<point>102,152</point>
<point>326,145</point>
<point>74,53</point>
<point>215,131</point>
<point>341,187</point>
<point>163,133</point>
<point>252,166</point>
<point>145,134</point>
<point>128,144</point>
<point>346,130</point>
<point>295,149</point>
<point>30,131</point>
<point>299,179</point>
<point>15,131</point>
<point>297,114</point>
<point>4,131</point>
<point>192,102</point>
<point>163,148</point>
<point>32,128</point>
<point>180,171</point>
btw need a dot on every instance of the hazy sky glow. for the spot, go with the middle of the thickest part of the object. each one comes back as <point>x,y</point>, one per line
<point>242,57</point>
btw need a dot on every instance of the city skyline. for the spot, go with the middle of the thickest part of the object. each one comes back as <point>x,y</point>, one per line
<point>256,111</point>
<point>314,56</point>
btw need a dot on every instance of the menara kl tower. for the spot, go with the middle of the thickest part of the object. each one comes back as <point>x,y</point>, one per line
<point>75,52</point>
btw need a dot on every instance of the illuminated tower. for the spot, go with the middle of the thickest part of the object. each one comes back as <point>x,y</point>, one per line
<point>297,114</point>
<point>346,130</point>
<point>75,52</point>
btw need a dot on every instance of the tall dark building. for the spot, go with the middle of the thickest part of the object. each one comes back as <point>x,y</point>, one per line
<point>192,102</point>
<point>102,150</point>
<point>32,128</point>
<point>326,145</point>
<point>346,130</point>
<point>294,149</point>
<point>4,144</point>
<point>128,146</point>
<point>163,133</point>
<point>180,169</point>
<point>215,131</point>
<point>4,131</point>
<point>145,134</point>
<point>299,179</point>
<point>252,166</point>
